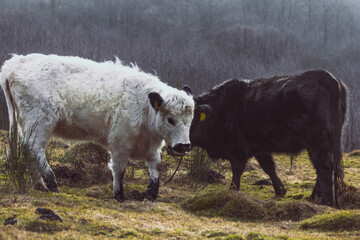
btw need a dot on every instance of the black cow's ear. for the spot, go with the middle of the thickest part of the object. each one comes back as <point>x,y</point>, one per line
<point>155,100</point>
<point>204,111</point>
<point>188,90</point>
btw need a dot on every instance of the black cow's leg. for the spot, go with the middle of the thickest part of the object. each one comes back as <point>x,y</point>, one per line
<point>322,160</point>
<point>267,163</point>
<point>237,167</point>
<point>316,191</point>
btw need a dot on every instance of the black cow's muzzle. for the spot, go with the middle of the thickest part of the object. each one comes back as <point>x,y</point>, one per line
<point>179,149</point>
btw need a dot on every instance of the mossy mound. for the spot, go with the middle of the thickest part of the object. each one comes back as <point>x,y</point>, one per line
<point>86,165</point>
<point>350,199</point>
<point>238,205</point>
<point>344,220</point>
<point>294,210</point>
<point>355,153</point>
<point>87,153</point>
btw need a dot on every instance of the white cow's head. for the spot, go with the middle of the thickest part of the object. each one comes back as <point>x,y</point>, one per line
<point>174,113</point>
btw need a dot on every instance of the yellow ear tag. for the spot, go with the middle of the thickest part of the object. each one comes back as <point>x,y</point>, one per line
<point>202,116</point>
<point>156,105</point>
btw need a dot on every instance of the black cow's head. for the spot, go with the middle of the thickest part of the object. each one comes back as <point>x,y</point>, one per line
<point>200,125</point>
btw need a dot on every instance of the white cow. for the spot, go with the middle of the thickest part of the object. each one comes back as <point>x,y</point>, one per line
<point>127,111</point>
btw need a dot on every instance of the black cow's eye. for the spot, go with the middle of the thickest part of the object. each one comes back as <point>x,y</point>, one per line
<point>171,121</point>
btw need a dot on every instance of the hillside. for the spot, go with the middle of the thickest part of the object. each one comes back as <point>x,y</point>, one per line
<point>187,207</point>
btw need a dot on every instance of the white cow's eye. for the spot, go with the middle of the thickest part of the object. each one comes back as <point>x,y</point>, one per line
<point>171,121</point>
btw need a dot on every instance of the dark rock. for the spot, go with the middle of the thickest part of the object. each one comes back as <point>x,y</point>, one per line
<point>42,210</point>
<point>47,214</point>
<point>11,220</point>
<point>50,217</point>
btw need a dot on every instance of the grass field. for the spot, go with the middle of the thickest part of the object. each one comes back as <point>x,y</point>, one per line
<point>186,208</point>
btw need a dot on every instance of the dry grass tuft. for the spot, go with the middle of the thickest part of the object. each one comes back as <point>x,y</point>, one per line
<point>238,205</point>
<point>87,153</point>
<point>88,165</point>
<point>294,211</point>
<point>350,199</point>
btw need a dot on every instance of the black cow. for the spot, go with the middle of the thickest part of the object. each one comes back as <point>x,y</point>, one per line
<point>239,119</point>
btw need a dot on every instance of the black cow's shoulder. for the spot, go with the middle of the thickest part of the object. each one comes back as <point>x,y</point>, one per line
<point>223,92</point>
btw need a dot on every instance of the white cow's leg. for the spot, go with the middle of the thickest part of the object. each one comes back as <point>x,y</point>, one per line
<point>153,187</point>
<point>37,135</point>
<point>117,165</point>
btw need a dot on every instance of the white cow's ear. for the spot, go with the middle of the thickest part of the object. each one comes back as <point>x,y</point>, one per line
<point>188,90</point>
<point>155,100</point>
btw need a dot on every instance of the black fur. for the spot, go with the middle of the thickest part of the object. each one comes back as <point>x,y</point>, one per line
<point>281,114</point>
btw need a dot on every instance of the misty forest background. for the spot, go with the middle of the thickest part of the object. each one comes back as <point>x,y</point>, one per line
<point>196,42</point>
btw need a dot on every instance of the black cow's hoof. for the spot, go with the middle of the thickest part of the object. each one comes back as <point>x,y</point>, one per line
<point>280,192</point>
<point>233,187</point>
<point>327,202</point>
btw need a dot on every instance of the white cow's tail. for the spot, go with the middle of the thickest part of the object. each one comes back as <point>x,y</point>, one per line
<point>12,109</point>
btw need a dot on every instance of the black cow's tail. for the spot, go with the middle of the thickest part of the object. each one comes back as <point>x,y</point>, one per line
<point>338,115</point>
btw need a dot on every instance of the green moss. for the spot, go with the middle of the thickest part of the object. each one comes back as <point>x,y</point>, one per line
<point>221,235</point>
<point>156,231</point>
<point>211,234</point>
<point>233,237</point>
<point>127,235</point>
<point>131,187</point>
<point>95,228</point>
<point>46,226</point>
<point>256,236</point>
<point>352,162</point>
<point>39,203</point>
<point>337,221</point>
